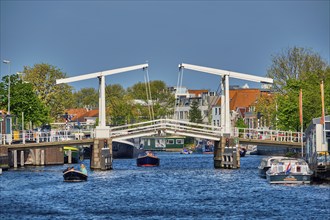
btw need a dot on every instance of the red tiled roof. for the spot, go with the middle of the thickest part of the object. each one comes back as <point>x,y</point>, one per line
<point>242,98</point>
<point>197,92</point>
<point>80,114</point>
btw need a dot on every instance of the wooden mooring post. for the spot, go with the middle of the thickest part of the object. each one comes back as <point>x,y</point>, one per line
<point>226,153</point>
<point>101,154</point>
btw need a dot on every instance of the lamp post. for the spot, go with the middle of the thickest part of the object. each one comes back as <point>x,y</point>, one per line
<point>8,62</point>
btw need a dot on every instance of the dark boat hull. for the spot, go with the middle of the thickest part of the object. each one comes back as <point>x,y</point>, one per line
<point>74,176</point>
<point>147,161</point>
<point>242,152</point>
<point>124,151</point>
<point>290,178</point>
<point>262,172</point>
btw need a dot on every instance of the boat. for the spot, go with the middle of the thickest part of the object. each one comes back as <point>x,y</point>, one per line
<point>242,152</point>
<point>75,154</point>
<point>186,151</point>
<point>71,175</point>
<point>125,150</point>
<point>266,163</point>
<point>148,159</point>
<point>289,170</point>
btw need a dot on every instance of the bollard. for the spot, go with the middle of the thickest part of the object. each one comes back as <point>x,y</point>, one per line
<point>22,158</point>
<point>42,157</point>
<point>15,158</point>
<point>69,156</point>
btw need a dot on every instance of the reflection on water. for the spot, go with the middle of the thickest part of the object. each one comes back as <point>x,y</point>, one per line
<point>182,187</point>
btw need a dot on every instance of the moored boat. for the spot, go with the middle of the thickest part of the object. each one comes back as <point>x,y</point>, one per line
<point>147,159</point>
<point>242,152</point>
<point>75,154</point>
<point>289,170</point>
<point>71,175</point>
<point>266,163</point>
<point>186,151</point>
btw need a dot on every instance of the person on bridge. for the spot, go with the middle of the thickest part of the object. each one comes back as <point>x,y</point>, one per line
<point>83,169</point>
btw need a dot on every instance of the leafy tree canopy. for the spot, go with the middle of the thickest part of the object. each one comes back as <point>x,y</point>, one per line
<point>43,78</point>
<point>295,69</point>
<point>195,115</point>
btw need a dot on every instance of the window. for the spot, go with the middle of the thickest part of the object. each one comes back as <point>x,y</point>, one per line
<point>179,141</point>
<point>169,141</point>
<point>215,111</point>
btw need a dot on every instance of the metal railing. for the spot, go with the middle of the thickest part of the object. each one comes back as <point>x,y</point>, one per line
<point>160,127</point>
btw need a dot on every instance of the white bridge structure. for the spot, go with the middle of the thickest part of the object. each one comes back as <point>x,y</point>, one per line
<point>161,127</point>
<point>225,74</point>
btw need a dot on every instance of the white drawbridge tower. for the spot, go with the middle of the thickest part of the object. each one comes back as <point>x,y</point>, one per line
<point>101,131</point>
<point>225,74</point>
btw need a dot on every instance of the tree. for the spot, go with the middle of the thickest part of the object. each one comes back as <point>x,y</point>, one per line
<point>120,107</point>
<point>162,99</point>
<point>297,69</point>
<point>85,97</point>
<point>24,99</point>
<point>195,115</point>
<point>240,123</point>
<point>294,64</point>
<point>266,105</point>
<point>43,78</point>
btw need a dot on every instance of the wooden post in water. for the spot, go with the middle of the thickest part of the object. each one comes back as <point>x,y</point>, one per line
<point>37,162</point>
<point>69,156</point>
<point>22,158</point>
<point>42,157</point>
<point>15,158</point>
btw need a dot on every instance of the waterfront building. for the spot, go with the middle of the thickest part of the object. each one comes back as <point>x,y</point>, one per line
<point>5,129</point>
<point>318,147</point>
<point>184,99</point>
<point>162,142</point>
<point>242,105</point>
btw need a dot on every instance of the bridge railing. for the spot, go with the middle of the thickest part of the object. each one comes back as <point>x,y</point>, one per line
<point>41,136</point>
<point>165,124</point>
<point>153,127</point>
<point>273,135</point>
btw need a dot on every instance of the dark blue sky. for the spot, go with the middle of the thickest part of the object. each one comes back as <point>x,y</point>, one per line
<point>89,36</point>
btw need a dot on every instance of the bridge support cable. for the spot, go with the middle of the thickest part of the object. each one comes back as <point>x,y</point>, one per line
<point>147,93</point>
<point>177,94</point>
<point>150,97</point>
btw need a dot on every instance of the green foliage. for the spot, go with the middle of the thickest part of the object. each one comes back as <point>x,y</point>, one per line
<point>163,100</point>
<point>24,99</point>
<point>43,78</point>
<point>195,115</point>
<point>299,69</point>
<point>85,97</point>
<point>266,105</point>
<point>294,64</point>
<point>240,123</point>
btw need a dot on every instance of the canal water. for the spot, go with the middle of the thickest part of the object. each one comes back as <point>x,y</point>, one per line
<point>182,187</point>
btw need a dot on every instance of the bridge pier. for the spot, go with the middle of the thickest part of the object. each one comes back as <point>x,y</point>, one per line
<point>226,154</point>
<point>101,154</point>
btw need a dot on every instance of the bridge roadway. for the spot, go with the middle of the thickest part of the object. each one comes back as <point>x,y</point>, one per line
<point>162,127</point>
